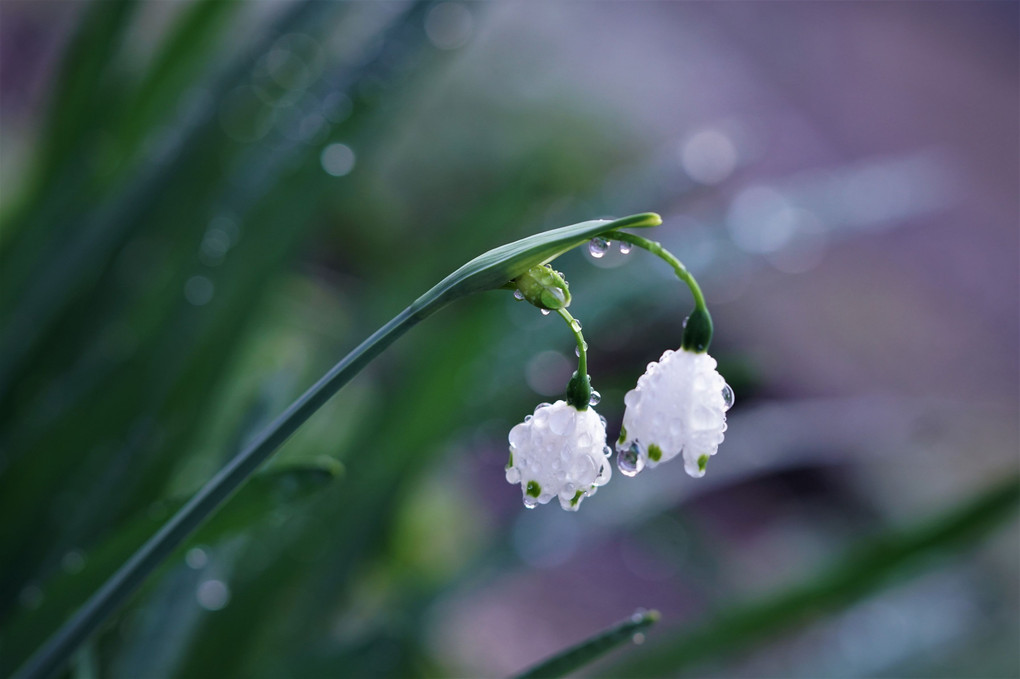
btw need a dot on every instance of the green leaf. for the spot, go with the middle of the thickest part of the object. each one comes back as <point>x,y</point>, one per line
<point>268,492</point>
<point>591,649</point>
<point>487,272</point>
<point>859,573</point>
<point>500,265</point>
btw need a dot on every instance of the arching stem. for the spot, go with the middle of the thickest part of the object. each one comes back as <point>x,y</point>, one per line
<point>698,326</point>
<point>579,387</point>
<point>656,249</point>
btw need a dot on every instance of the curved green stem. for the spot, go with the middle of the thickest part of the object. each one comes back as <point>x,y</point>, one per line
<point>579,386</point>
<point>582,349</point>
<point>656,249</point>
<point>489,271</point>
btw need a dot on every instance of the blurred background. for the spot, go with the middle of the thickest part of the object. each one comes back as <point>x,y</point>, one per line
<point>206,204</point>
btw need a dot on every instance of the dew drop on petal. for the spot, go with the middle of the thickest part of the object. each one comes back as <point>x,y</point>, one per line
<point>530,503</point>
<point>607,451</point>
<point>629,461</point>
<point>518,295</point>
<point>727,396</point>
<point>598,247</point>
<point>595,398</point>
<point>545,312</point>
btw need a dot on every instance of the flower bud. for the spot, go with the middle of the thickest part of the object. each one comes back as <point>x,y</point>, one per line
<point>544,288</point>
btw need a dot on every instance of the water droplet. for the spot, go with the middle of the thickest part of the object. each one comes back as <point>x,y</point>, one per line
<point>30,597</point>
<point>576,325</point>
<point>577,350</point>
<point>625,247</point>
<point>727,396</point>
<point>213,595</point>
<point>607,451</point>
<point>602,419</point>
<point>638,638</point>
<point>598,247</point>
<point>595,398</point>
<point>518,295</point>
<point>530,503</point>
<point>199,290</point>
<point>196,558</point>
<point>73,561</point>
<point>630,461</point>
<point>337,160</point>
<point>545,312</point>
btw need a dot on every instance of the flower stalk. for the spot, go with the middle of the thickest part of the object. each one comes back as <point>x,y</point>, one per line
<point>490,271</point>
<point>579,387</point>
<point>698,326</point>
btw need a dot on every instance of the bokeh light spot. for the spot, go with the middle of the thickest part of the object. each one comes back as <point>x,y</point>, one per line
<point>337,160</point>
<point>449,25</point>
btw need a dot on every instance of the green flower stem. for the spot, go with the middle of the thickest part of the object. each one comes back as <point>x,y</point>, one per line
<point>489,271</point>
<point>698,326</point>
<point>582,356</point>
<point>656,249</point>
<point>588,651</point>
<point>579,387</point>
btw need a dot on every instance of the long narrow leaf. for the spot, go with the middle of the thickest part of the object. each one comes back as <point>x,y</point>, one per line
<point>486,272</point>
<point>588,651</point>
<point>861,572</point>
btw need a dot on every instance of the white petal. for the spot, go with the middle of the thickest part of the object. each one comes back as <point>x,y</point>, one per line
<point>559,452</point>
<point>678,407</point>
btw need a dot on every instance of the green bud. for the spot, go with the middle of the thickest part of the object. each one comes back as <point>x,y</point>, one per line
<point>579,391</point>
<point>544,288</point>
<point>697,331</point>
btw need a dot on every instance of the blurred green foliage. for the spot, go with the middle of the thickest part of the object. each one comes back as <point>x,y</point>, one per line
<point>177,267</point>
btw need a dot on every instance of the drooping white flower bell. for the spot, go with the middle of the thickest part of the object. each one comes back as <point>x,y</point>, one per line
<point>559,452</point>
<point>679,406</point>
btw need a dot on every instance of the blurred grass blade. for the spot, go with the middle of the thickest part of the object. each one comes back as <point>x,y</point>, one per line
<point>861,572</point>
<point>587,651</point>
<point>75,103</point>
<point>282,487</point>
<point>45,289</point>
<point>488,271</point>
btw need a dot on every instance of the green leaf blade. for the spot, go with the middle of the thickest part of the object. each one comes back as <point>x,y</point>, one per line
<point>591,649</point>
<point>496,267</point>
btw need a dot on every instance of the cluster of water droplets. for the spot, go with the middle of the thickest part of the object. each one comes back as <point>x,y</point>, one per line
<point>599,246</point>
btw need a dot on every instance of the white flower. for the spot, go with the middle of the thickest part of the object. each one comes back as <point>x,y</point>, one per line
<point>679,406</point>
<point>559,452</point>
